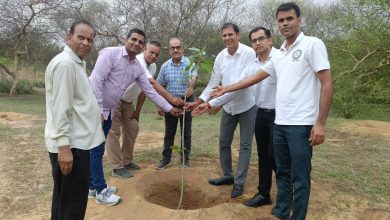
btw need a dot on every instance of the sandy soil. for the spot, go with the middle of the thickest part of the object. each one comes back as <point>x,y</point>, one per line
<point>153,194</point>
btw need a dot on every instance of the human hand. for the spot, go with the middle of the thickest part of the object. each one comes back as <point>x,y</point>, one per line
<point>177,101</point>
<point>317,134</point>
<point>160,112</point>
<point>176,111</point>
<point>218,91</point>
<point>214,110</point>
<point>189,92</point>
<point>65,159</point>
<point>202,108</point>
<point>189,106</point>
<point>135,116</point>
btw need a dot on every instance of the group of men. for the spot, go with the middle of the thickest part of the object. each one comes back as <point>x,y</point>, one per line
<point>82,112</point>
<point>290,107</point>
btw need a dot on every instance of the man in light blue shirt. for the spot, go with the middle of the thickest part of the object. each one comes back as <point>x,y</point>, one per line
<point>181,84</point>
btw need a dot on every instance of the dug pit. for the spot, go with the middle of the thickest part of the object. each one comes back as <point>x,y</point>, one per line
<point>163,188</point>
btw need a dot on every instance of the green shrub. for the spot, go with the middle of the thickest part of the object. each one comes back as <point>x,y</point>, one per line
<point>23,87</point>
<point>38,83</point>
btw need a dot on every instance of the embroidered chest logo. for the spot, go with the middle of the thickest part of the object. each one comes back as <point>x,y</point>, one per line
<point>296,55</point>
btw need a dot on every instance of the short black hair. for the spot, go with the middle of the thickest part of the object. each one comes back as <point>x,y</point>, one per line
<point>75,23</point>
<point>287,7</point>
<point>155,43</point>
<point>228,25</point>
<point>256,29</point>
<point>136,31</point>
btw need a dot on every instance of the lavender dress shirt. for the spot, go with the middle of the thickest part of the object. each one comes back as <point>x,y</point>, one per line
<point>113,73</point>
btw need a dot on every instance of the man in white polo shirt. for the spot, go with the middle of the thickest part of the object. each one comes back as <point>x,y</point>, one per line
<point>125,115</point>
<point>303,99</point>
<point>240,109</point>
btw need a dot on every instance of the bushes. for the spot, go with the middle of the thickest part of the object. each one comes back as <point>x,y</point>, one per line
<point>23,87</point>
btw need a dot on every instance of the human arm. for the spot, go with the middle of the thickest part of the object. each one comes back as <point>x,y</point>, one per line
<point>149,91</point>
<point>99,74</point>
<point>64,81</point>
<point>176,101</point>
<point>259,76</point>
<point>140,102</point>
<point>317,135</point>
<point>191,85</point>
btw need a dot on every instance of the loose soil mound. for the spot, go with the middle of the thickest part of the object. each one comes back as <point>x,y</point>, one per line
<point>13,116</point>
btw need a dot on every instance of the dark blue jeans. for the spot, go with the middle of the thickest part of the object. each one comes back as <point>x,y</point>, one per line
<point>170,132</point>
<point>96,180</point>
<point>265,149</point>
<point>293,161</point>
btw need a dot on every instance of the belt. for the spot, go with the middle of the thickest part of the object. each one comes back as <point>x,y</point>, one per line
<point>267,109</point>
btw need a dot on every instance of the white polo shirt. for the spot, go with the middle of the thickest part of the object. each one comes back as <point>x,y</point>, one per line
<point>298,88</point>
<point>132,92</point>
<point>227,70</point>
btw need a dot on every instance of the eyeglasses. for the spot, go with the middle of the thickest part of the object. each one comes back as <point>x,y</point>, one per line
<point>262,38</point>
<point>175,48</point>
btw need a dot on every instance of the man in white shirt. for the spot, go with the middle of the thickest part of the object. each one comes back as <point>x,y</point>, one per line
<point>303,98</point>
<point>125,116</point>
<point>265,93</point>
<point>238,109</point>
<point>73,124</point>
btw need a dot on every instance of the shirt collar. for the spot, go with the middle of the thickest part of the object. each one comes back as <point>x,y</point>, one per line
<point>271,53</point>
<point>74,55</point>
<point>182,60</point>
<point>238,51</point>
<point>299,38</point>
<point>125,54</point>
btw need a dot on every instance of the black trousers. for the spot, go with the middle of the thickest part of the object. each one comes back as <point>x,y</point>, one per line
<point>70,192</point>
<point>170,132</point>
<point>263,132</point>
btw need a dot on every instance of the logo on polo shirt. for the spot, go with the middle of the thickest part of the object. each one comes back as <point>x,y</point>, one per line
<point>296,55</point>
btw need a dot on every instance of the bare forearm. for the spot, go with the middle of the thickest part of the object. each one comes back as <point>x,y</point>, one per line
<point>325,77</point>
<point>140,102</point>
<point>162,91</point>
<point>192,82</point>
<point>259,76</point>
<point>325,102</point>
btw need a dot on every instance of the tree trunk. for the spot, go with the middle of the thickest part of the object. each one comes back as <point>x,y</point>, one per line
<point>12,91</point>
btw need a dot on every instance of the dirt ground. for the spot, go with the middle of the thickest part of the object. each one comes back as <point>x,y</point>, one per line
<point>153,194</point>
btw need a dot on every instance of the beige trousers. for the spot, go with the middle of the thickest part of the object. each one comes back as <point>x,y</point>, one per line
<point>122,123</point>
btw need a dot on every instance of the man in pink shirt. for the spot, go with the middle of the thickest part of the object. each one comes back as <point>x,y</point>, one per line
<point>115,69</point>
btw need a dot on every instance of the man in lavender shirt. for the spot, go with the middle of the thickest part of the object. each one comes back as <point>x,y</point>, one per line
<point>116,68</point>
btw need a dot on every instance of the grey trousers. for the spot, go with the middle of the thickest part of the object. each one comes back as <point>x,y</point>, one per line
<point>229,123</point>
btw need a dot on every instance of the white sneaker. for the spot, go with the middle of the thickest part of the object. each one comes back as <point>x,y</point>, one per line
<point>92,192</point>
<point>107,197</point>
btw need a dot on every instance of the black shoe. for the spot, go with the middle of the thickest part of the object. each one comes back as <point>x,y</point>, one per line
<point>258,200</point>
<point>237,190</point>
<point>222,181</point>
<point>163,163</point>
